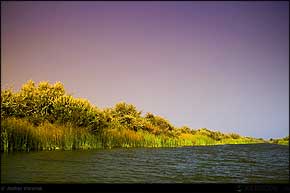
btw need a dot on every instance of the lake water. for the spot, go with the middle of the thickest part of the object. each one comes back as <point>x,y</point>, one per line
<point>259,163</point>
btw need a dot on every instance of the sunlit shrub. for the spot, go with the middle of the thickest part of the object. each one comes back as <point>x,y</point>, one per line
<point>282,141</point>
<point>77,111</point>
<point>121,109</point>
<point>32,102</point>
<point>161,123</point>
<point>8,103</point>
<point>235,136</point>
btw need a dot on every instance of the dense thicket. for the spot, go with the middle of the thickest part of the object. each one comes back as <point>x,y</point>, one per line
<point>45,116</point>
<point>282,141</point>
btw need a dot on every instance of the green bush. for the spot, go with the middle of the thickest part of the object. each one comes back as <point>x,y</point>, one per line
<point>161,123</point>
<point>235,136</point>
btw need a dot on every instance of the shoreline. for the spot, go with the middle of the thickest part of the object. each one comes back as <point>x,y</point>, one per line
<point>93,149</point>
<point>46,117</point>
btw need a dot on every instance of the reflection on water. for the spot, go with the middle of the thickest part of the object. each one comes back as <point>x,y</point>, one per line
<point>260,163</point>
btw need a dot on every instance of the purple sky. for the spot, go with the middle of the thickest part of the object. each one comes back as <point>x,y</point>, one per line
<point>219,65</point>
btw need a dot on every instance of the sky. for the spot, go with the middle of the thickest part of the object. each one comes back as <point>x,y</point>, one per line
<point>217,65</point>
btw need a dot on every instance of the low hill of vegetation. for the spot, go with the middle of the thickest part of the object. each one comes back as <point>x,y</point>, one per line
<point>281,141</point>
<point>46,117</point>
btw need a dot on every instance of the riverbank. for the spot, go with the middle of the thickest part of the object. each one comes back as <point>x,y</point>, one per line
<point>282,141</point>
<point>21,135</point>
<point>45,117</point>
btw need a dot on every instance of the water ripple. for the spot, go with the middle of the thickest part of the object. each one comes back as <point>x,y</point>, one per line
<point>260,163</point>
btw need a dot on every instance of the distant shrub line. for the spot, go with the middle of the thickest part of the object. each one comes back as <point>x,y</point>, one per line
<point>45,117</point>
<point>282,141</point>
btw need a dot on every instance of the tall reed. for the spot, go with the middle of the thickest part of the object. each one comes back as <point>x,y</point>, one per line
<point>20,134</point>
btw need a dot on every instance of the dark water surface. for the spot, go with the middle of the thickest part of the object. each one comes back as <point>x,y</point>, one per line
<point>259,163</point>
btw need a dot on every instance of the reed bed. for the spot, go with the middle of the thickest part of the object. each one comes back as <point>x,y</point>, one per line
<point>20,134</point>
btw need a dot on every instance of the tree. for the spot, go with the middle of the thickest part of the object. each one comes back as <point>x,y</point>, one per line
<point>80,112</point>
<point>185,129</point>
<point>37,101</point>
<point>8,103</point>
<point>121,109</point>
<point>161,123</point>
<point>124,115</point>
